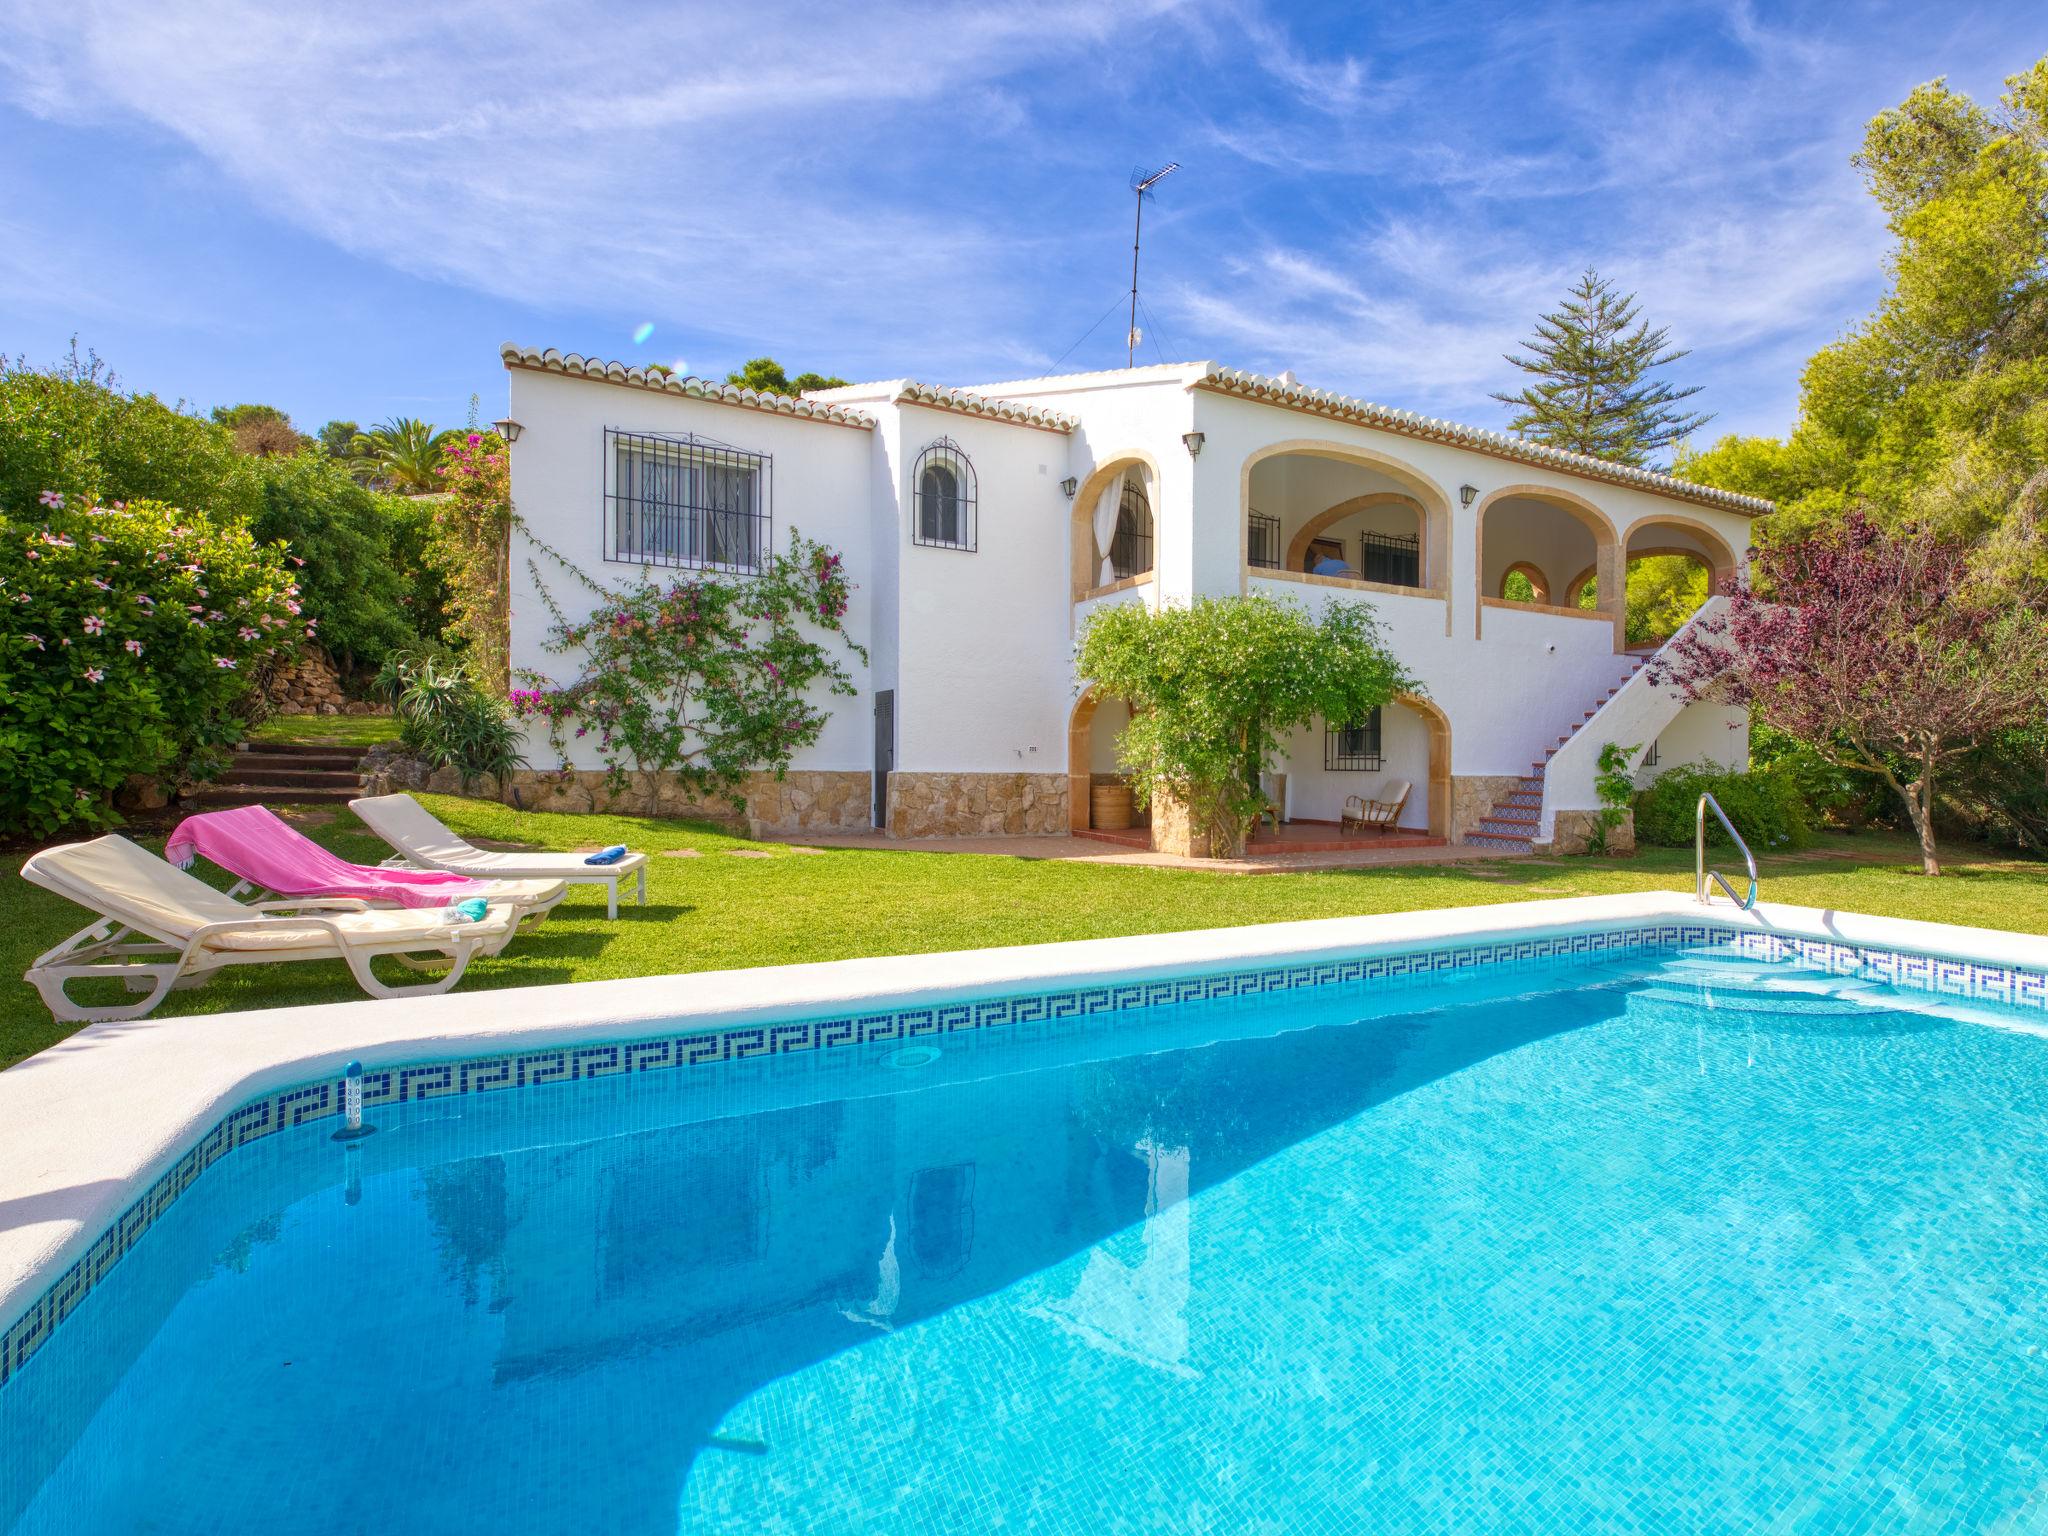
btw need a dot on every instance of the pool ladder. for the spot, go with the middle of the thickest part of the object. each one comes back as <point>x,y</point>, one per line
<point>1700,872</point>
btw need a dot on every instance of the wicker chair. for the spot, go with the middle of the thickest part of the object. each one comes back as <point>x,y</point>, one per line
<point>1380,813</point>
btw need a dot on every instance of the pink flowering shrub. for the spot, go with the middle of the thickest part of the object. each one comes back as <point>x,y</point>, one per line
<point>124,634</point>
<point>706,677</point>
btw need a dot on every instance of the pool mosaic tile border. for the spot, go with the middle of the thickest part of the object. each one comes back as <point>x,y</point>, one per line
<point>1919,973</point>
<point>296,1106</point>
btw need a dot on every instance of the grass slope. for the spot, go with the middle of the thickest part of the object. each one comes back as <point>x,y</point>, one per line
<point>715,910</point>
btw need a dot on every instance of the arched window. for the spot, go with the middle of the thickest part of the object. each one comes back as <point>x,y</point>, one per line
<point>1130,552</point>
<point>943,495</point>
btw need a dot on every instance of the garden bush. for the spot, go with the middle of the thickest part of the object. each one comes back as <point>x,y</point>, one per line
<point>1764,804</point>
<point>444,717</point>
<point>361,554</point>
<point>127,634</point>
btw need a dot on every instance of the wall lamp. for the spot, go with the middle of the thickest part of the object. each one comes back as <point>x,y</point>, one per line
<point>1070,485</point>
<point>1467,494</point>
<point>508,429</point>
<point>1194,440</point>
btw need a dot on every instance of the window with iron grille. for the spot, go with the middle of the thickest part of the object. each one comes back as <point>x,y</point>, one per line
<point>943,497</point>
<point>1649,757</point>
<point>1130,552</point>
<point>1354,748</point>
<point>1393,559</point>
<point>679,499</point>
<point>1262,547</point>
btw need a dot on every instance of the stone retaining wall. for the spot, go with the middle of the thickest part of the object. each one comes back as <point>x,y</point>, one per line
<point>1473,797</point>
<point>977,804</point>
<point>803,800</point>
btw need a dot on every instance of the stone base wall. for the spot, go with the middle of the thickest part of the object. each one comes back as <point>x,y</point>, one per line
<point>802,800</point>
<point>1175,831</point>
<point>1574,829</point>
<point>1473,797</point>
<point>977,804</point>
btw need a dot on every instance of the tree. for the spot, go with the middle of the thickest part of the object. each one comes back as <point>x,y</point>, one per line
<point>1592,360</point>
<point>342,540</point>
<point>1876,650</point>
<point>1933,411</point>
<point>1214,687</point>
<point>403,454</point>
<point>338,439</point>
<point>765,375</point>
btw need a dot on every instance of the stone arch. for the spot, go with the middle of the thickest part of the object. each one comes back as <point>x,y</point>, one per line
<point>1084,563</point>
<point>1297,548</point>
<point>1080,754</point>
<point>1720,557</point>
<point>1577,585</point>
<point>1536,579</point>
<point>1429,498</point>
<point>1607,547</point>
<point>1439,726</point>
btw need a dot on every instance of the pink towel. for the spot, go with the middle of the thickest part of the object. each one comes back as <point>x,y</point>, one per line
<point>252,842</point>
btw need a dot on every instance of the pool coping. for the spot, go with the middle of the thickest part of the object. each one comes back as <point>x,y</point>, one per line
<point>87,1125</point>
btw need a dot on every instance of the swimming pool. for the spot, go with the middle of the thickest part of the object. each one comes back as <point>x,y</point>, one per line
<point>1642,1234</point>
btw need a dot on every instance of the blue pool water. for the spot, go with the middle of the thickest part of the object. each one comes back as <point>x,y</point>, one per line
<point>1668,1243</point>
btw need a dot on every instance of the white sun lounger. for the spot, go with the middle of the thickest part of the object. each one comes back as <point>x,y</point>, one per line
<point>424,843</point>
<point>160,927</point>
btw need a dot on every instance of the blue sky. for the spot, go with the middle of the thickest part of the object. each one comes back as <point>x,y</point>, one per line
<point>344,211</point>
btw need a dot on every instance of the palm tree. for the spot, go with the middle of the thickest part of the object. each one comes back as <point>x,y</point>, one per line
<point>403,453</point>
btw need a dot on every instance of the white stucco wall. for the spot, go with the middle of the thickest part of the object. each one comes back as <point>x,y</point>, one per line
<point>984,671</point>
<point>820,484</point>
<point>978,646</point>
<point>1316,793</point>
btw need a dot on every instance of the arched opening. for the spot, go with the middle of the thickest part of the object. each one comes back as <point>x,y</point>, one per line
<point>943,488</point>
<point>1526,531</point>
<point>1672,567</point>
<point>1092,731</point>
<point>1114,529</point>
<point>1323,512</point>
<point>1407,741</point>
<point>1524,583</point>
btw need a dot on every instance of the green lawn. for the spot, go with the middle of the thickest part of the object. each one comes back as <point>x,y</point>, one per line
<point>326,730</point>
<point>716,910</point>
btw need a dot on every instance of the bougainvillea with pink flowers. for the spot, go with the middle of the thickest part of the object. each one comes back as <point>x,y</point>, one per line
<point>127,634</point>
<point>706,677</point>
<point>472,545</point>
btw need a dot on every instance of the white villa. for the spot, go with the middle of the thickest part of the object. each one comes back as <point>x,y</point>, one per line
<point>983,525</point>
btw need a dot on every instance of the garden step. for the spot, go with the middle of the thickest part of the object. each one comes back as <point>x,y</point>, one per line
<point>295,778</point>
<point>221,796</point>
<point>303,749</point>
<point>297,762</point>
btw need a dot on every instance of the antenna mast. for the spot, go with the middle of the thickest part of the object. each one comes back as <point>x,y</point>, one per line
<point>1142,186</point>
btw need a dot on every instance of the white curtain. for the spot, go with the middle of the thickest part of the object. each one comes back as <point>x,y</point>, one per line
<point>1105,526</point>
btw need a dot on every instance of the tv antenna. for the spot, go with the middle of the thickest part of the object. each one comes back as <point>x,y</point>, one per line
<point>1142,185</point>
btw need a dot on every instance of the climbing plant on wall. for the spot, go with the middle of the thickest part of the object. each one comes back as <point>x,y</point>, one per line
<point>708,678</point>
<point>472,544</point>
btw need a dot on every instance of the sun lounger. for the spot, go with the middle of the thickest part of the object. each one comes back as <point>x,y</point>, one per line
<point>159,927</point>
<point>424,843</point>
<point>273,858</point>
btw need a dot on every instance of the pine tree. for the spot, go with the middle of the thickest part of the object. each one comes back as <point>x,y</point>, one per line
<point>1593,394</point>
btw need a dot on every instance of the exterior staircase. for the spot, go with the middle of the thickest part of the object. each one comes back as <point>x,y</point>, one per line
<point>1512,824</point>
<point>283,773</point>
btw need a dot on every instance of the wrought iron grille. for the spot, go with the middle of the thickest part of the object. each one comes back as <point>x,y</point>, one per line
<point>1393,559</point>
<point>1262,548</point>
<point>1130,551</point>
<point>1354,748</point>
<point>678,499</point>
<point>943,497</point>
